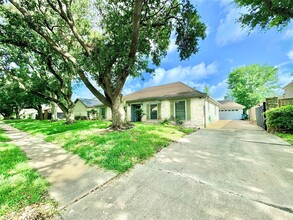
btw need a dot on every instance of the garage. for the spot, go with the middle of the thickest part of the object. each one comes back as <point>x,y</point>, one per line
<point>230,110</point>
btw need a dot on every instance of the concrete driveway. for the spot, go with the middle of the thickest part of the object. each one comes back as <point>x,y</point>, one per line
<point>235,171</point>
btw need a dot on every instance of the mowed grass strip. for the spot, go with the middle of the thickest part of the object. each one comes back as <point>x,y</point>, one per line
<point>20,185</point>
<point>3,136</point>
<point>112,150</point>
<point>286,137</point>
<point>47,128</point>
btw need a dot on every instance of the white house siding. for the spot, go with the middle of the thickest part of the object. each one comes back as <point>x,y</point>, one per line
<point>79,109</point>
<point>144,109</point>
<point>165,110</point>
<point>197,113</point>
<point>288,91</point>
<point>211,111</point>
<point>108,113</point>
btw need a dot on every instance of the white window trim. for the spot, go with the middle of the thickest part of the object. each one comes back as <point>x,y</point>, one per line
<point>185,108</point>
<point>151,111</point>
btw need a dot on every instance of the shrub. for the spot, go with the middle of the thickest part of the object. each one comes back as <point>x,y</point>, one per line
<point>80,117</point>
<point>139,113</point>
<point>165,122</point>
<point>280,119</point>
<point>178,121</point>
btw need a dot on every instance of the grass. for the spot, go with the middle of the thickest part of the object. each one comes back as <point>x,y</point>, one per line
<point>112,150</point>
<point>47,128</point>
<point>286,137</point>
<point>3,137</point>
<point>20,185</point>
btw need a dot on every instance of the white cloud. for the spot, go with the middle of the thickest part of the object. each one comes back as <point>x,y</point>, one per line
<point>219,90</point>
<point>290,55</point>
<point>131,85</point>
<point>172,46</point>
<point>230,30</point>
<point>284,75</point>
<point>288,34</point>
<point>183,74</point>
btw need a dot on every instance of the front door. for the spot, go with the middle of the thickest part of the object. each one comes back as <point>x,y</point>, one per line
<point>134,115</point>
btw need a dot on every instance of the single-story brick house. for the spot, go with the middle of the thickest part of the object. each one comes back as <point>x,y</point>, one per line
<point>82,106</point>
<point>230,110</point>
<point>174,100</point>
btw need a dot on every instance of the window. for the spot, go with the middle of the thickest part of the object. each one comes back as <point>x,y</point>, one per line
<point>103,113</point>
<point>180,110</point>
<point>154,111</point>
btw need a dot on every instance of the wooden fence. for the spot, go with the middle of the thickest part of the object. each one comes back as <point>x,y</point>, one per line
<point>256,112</point>
<point>275,102</point>
<point>283,102</point>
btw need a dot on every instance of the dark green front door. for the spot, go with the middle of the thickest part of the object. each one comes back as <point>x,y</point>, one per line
<point>134,116</point>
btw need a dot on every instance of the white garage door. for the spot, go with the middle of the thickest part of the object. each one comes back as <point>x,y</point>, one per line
<point>232,114</point>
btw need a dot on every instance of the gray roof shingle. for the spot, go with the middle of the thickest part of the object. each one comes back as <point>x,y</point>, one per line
<point>89,103</point>
<point>226,104</point>
<point>167,91</point>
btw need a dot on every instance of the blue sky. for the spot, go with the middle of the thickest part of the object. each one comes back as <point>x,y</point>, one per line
<point>227,46</point>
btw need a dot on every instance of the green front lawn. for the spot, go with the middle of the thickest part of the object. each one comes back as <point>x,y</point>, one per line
<point>3,136</point>
<point>286,137</point>
<point>112,150</point>
<point>20,185</point>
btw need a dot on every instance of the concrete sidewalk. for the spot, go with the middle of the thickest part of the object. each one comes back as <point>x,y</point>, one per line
<point>68,174</point>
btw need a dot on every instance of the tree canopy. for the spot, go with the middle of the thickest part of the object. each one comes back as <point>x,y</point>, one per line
<point>107,41</point>
<point>44,75</point>
<point>249,85</point>
<point>13,98</point>
<point>266,13</point>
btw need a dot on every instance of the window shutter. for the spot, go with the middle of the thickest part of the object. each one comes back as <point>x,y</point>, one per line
<point>172,109</point>
<point>188,110</point>
<point>106,112</point>
<point>159,111</point>
<point>148,112</point>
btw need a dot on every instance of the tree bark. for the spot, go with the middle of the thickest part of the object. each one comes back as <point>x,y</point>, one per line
<point>40,112</point>
<point>69,115</point>
<point>17,110</point>
<point>118,113</point>
<point>54,111</point>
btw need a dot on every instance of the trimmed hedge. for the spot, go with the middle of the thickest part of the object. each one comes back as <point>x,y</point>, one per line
<point>280,119</point>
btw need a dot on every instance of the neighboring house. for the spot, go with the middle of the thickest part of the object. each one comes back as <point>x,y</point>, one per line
<point>230,110</point>
<point>48,113</point>
<point>170,101</point>
<point>288,91</point>
<point>82,106</point>
<point>28,113</point>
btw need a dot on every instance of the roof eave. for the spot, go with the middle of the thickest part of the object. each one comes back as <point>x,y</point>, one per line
<point>166,98</point>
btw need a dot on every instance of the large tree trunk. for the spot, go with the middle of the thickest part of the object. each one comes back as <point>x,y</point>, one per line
<point>17,110</point>
<point>69,116</point>
<point>54,111</point>
<point>118,113</point>
<point>40,112</point>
